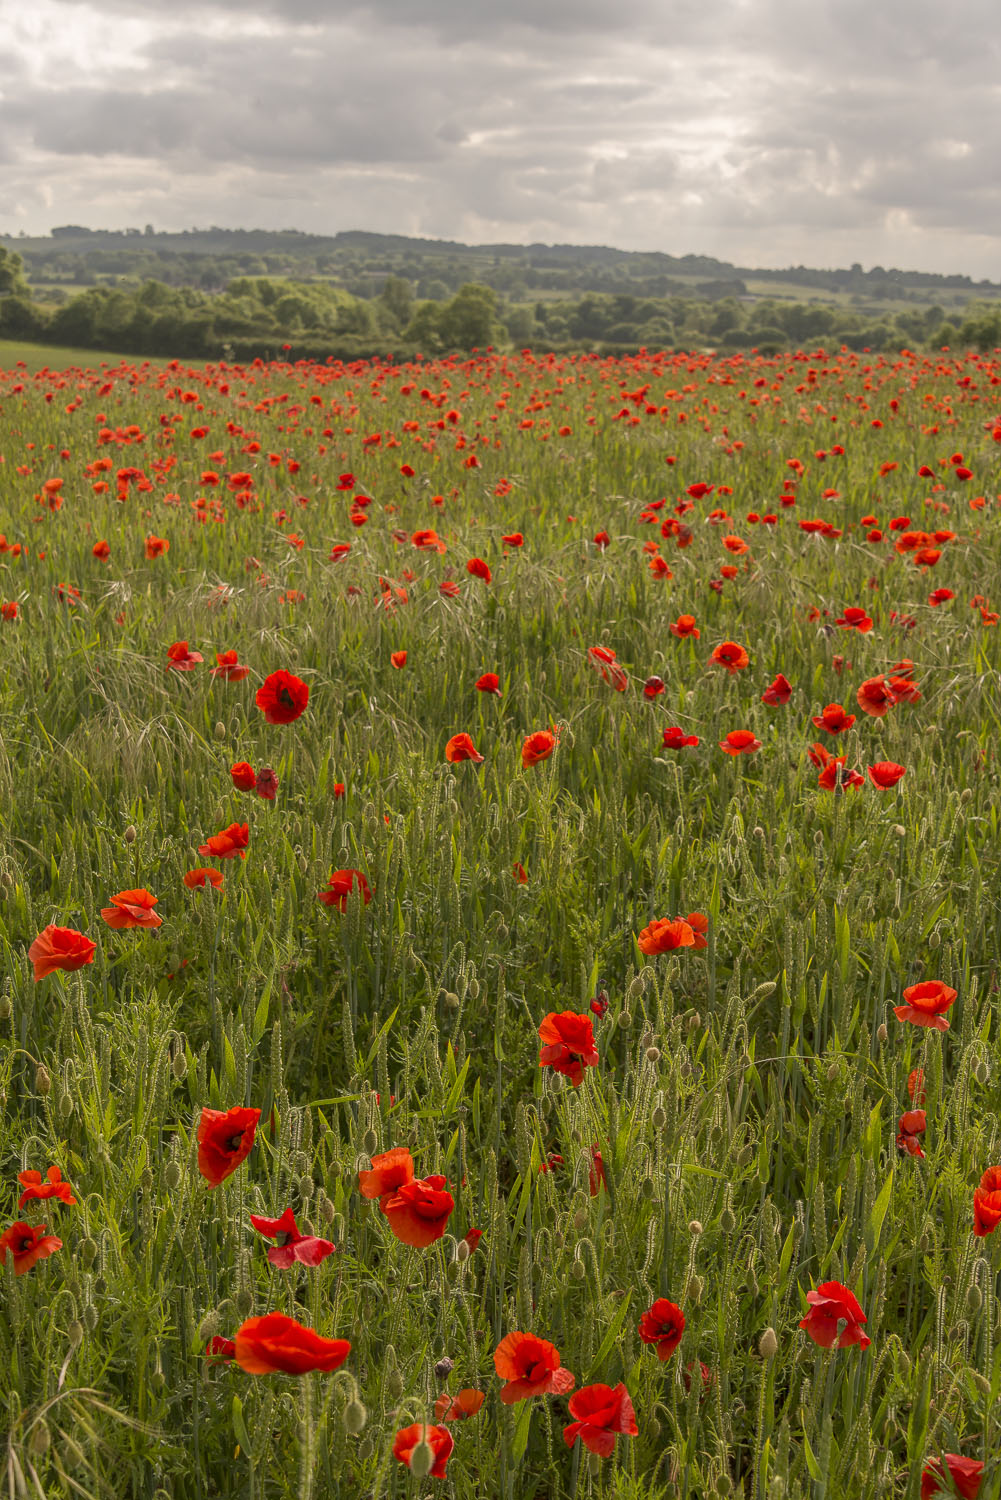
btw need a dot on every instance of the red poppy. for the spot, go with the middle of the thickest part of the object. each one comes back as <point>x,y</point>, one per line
<point>101,550</point>
<point>439,1439</point>
<point>602,658</point>
<point>677,739</point>
<point>683,626</point>
<point>886,773</point>
<point>855,619</point>
<point>596,1179</point>
<point>916,1086</point>
<point>662,1325</point>
<point>203,876</point>
<point>229,667</point>
<point>291,1246</point>
<point>530,1366</point>
<point>132,909</point>
<point>653,687</point>
<point>458,1408</point>
<point>836,776</point>
<point>489,683</point>
<point>180,659</point>
<point>911,1124</point>
<point>479,569</point>
<point>602,540</point>
<point>987,1203</point>
<point>156,546</point>
<point>830,1305</point>
<point>282,697</point>
<point>461,747</point>
<point>339,886</point>
<point>27,1244</point>
<point>875,696</point>
<point>244,776</point>
<point>60,948</point>
<point>779,692</point>
<point>398,659</point>
<point>729,655</point>
<point>418,1211</point>
<point>940,596</point>
<point>699,923</point>
<point>220,1350</point>
<point>513,539</point>
<point>664,935</point>
<point>53,1187</point>
<point>225,1139</point>
<point>520,874</point>
<point>659,569</point>
<point>230,843</point>
<point>833,719</point>
<point>538,746</point>
<point>472,1238</point>
<point>8,611</point>
<point>276,1344</point>
<point>926,1004</point>
<point>266,784</point>
<point>568,1044</point>
<point>740,742</point>
<point>388,1172</point>
<point>965,1475</point>
<point>602,1413</point>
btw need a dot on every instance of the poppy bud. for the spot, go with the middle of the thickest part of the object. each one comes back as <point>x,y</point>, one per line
<point>974,1298</point>
<point>727,1221</point>
<point>693,1291</point>
<point>450,1000</point>
<point>369,1142</point>
<point>244,1301</point>
<point>355,1417</point>
<point>659,1118</point>
<point>90,1318</point>
<point>172,1176</point>
<point>578,1270</point>
<point>445,1366</point>
<point>179,1066</point>
<point>982,1072</point>
<point>130,835</point>
<point>88,1253</point>
<point>75,1333</point>
<point>394,1384</point>
<point>580,1219</point>
<point>365,1450</point>
<point>695,1228</point>
<point>209,1326</point>
<point>900,830</point>
<point>981,1382</point>
<point>422,1459</point>
<point>694,1021</point>
<point>653,1054</point>
<point>502,931</point>
<point>966,795</point>
<point>220,730</point>
<point>624,1019</point>
<point>636,988</point>
<point>40,1438</point>
<point>474,989</point>
<point>647,1187</point>
<point>768,1344</point>
<point>758,831</point>
<point>43,1083</point>
<point>935,939</point>
<point>65,1107</point>
<point>461,1253</point>
<point>832,1072</point>
<point>881,1033</point>
<point>764,990</point>
<point>5,1008</point>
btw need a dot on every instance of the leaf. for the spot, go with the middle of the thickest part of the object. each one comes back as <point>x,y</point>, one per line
<point>455,1092</point>
<point>261,1017</point>
<point>520,1440</point>
<point>811,1460</point>
<point>383,1031</point>
<point>240,1427</point>
<point>610,1337</point>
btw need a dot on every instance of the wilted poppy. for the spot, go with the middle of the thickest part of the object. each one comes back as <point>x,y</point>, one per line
<point>653,687</point>
<point>677,739</point>
<point>266,784</point>
<point>830,1305</point>
<point>964,1478</point>
<point>489,683</point>
<point>603,1412</point>
<point>52,1187</point>
<point>418,1211</point>
<point>458,1408</point>
<point>664,935</point>
<point>886,773</point>
<point>729,655</point>
<point>244,776</point>
<point>290,1246</point>
<point>203,876</point>
<point>225,1139</point>
<point>339,887</point>
<point>530,1366</point>
<point>740,742</point>
<point>461,747</point>
<point>538,746</point>
<point>568,1044</point>
<point>926,1004</point>
<point>987,1203</point>
<point>132,909</point>
<point>60,948</point>
<point>230,843</point>
<point>662,1325</point>
<point>282,697</point>
<point>229,667</point>
<point>833,719</point>
<point>180,659</point>
<point>276,1344</point>
<point>778,693</point>
<point>27,1244</point>
<point>438,1439</point>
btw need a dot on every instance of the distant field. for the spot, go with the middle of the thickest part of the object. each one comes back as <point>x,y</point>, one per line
<point>56,357</point>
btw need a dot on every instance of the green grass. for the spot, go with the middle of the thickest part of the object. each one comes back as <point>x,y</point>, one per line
<point>54,357</point>
<point>747,1095</point>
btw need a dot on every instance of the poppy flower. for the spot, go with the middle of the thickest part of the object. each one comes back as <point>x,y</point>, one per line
<point>987,1203</point>
<point>916,1086</point>
<point>530,1366</point>
<point>965,1474</point>
<point>836,776</point>
<point>874,697</point>
<point>664,935</point>
<point>132,909</point>
<point>911,1124</point>
<point>244,776</point>
<point>653,687</point>
<point>398,659</point>
<point>855,619</point>
<point>677,739</point>
<point>602,1413</point>
<point>8,610</point>
<point>926,1004</point>
<point>291,1246</point>
<point>276,1344</point>
<point>833,719</point>
<point>156,546</point>
<point>458,1408</point>
<point>282,697</point>
<point>778,693</point>
<point>472,1238</point>
<point>819,755</point>
<point>568,1044</point>
<point>101,550</point>
<point>520,874</point>
<point>388,1172</point>
<point>439,1439</point>
<point>225,1139</point>
<point>602,540</point>
<point>683,626</point>
<point>538,746</point>
<point>53,1187</point>
<point>339,886</point>
<point>940,596</point>
<point>513,539</point>
<point>220,1350</point>
<point>904,690</point>
<point>489,683</point>
<point>204,875</point>
<point>830,1305</point>
<point>27,1244</point>
<point>740,742</point>
<point>596,1173</point>
<point>230,843</point>
<point>659,568</point>
<point>180,659</point>
<point>729,655</point>
<point>418,1211</point>
<point>479,569</point>
<point>266,784</point>
<point>229,667</point>
<point>662,1325</point>
<point>602,658</point>
<point>461,747</point>
<point>886,773</point>
<point>699,923</point>
<point>60,948</point>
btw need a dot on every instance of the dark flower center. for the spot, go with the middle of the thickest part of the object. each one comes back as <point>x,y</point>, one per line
<point>28,1243</point>
<point>285,698</point>
<point>284,1239</point>
<point>234,1143</point>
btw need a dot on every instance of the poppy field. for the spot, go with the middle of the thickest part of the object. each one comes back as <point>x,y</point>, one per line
<point>499,909</point>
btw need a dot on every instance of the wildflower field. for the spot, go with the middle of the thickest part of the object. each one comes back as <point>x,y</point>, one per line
<point>499,908</point>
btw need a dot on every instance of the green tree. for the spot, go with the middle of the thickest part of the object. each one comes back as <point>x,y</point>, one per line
<point>12,279</point>
<point>469,320</point>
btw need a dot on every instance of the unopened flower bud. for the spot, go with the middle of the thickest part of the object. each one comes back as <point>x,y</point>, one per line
<point>935,939</point>
<point>66,1106</point>
<point>648,1187</point>
<point>974,1298</point>
<point>90,1318</point>
<point>172,1176</point>
<point>394,1385</point>
<point>474,989</point>
<point>695,1228</point>
<point>244,1300</point>
<point>982,1072</point>
<point>220,730</point>
<point>882,1035</point>
<point>659,1118</point>
<point>768,987</point>
<point>75,1333</point>
<point>422,1459</point>
<point>130,835</point>
<point>624,1019</point>
<point>900,830</point>
<point>652,1054</point>
<point>43,1083</point>
<point>636,988</point>
<point>450,1000</point>
<point>966,795</point>
<point>88,1253</point>
<point>179,1066</point>
<point>833,1072</point>
<point>6,1008</point>
<point>39,1439</point>
<point>355,1417</point>
<point>768,1344</point>
<point>461,1253</point>
<point>727,1220</point>
<point>209,1326</point>
<point>369,1142</point>
<point>578,1270</point>
<point>693,1291</point>
<point>694,1021</point>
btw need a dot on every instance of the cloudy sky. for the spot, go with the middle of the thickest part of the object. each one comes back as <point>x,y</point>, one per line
<point>766,132</point>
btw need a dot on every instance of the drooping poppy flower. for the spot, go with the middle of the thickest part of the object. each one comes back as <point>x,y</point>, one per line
<point>27,1244</point>
<point>339,887</point>
<point>388,1172</point>
<point>291,1246</point>
<point>778,693</point>
<point>398,659</point>
<point>740,742</point>
<point>244,776</point>
<point>530,1366</point>
<point>819,755</point>
<point>225,1139</point>
<point>830,1305</point>
<point>282,697</point>
<point>52,1187</point>
<point>602,1413</point>
<point>855,619</point>
<point>964,1477</point>
<point>602,658</point>
<point>568,1048</point>
<point>537,746</point>
<point>132,909</point>
<point>204,875</point>
<point>60,948</point>
<point>489,683</point>
<point>677,739</point>
<point>875,696</point>
<point>276,1344</point>
<point>664,935</point>
<point>520,874</point>
<point>730,655</point>
<point>596,1179</point>
<point>180,659</point>
<point>266,784</point>
<point>836,776</point>
<point>513,539</point>
<point>418,1211</point>
<point>439,1439</point>
<point>916,1086</point>
<point>653,687</point>
<point>987,1203</point>
<point>461,747</point>
<point>662,1325</point>
<point>684,626</point>
<point>472,1238</point>
<point>230,843</point>
<point>229,667</point>
<point>886,773</point>
<point>833,719</point>
<point>460,1407</point>
<point>911,1124</point>
<point>926,1004</point>
<point>479,569</point>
